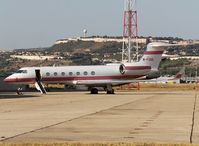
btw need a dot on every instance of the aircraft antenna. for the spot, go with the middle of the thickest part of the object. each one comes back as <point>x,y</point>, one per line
<point>130,30</point>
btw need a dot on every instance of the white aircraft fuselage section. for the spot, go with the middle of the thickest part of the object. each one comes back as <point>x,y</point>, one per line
<point>71,74</point>
<point>95,75</point>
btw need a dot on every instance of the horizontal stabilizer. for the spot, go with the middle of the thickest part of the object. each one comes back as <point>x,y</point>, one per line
<point>164,45</point>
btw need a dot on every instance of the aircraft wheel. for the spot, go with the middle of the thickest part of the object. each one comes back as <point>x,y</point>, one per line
<point>94,91</point>
<point>110,92</point>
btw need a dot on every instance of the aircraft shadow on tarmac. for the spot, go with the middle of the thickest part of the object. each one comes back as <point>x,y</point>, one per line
<point>11,96</point>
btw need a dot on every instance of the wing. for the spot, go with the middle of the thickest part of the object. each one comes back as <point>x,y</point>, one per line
<point>112,82</point>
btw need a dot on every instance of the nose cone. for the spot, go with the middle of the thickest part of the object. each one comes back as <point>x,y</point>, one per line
<point>9,79</point>
<point>6,79</point>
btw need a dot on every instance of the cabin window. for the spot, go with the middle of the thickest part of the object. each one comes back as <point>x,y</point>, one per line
<point>55,73</point>
<point>85,73</point>
<point>63,73</point>
<point>78,73</point>
<point>70,73</point>
<point>22,71</point>
<point>47,74</point>
<point>93,73</point>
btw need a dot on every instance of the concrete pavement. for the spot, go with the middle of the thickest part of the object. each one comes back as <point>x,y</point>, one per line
<point>79,116</point>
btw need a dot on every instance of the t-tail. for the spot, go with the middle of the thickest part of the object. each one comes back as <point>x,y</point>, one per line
<point>153,55</point>
<point>180,74</point>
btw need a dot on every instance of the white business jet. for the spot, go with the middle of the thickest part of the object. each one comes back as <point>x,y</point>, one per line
<point>93,76</point>
<point>175,79</point>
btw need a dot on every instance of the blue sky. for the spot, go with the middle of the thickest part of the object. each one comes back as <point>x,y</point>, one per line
<point>38,23</point>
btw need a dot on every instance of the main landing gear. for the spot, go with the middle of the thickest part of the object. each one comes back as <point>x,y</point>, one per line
<point>108,89</point>
<point>110,92</point>
<point>94,91</point>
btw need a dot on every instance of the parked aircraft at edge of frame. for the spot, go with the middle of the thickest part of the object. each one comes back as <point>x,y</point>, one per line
<point>93,76</point>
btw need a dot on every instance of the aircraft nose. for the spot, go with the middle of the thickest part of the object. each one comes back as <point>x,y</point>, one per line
<point>8,79</point>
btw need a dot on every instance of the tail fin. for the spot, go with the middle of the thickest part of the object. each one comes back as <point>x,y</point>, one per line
<point>153,54</point>
<point>180,74</point>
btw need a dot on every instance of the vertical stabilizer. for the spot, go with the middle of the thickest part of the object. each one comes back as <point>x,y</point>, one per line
<point>152,55</point>
<point>180,74</point>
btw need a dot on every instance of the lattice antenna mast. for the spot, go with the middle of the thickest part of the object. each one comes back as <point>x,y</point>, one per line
<point>130,30</point>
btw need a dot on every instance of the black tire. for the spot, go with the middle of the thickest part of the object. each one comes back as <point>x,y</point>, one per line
<point>94,91</point>
<point>110,92</point>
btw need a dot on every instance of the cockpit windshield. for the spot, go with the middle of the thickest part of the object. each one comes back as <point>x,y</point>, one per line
<point>22,71</point>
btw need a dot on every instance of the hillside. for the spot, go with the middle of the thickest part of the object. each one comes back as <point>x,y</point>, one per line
<point>92,53</point>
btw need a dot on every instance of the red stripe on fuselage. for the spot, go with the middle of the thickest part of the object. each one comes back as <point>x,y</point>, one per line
<point>137,67</point>
<point>59,79</point>
<point>154,52</point>
<point>20,80</point>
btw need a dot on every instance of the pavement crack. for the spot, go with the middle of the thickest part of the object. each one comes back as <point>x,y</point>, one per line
<point>193,119</point>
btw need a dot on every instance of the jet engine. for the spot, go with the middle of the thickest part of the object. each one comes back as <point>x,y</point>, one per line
<point>122,69</point>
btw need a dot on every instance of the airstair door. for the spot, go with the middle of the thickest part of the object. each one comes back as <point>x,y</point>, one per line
<point>38,84</point>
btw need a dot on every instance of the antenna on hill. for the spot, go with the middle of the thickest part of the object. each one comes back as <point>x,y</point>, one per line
<point>130,30</point>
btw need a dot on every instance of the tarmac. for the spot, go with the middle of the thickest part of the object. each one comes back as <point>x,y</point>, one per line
<point>131,116</point>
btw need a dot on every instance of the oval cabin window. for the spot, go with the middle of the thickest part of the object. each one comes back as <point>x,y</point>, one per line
<point>63,73</point>
<point>85,73</point>
<point>93,73</point>
<point>70,73</point>
<point>47,74</point>
<point>55,73</point>
<point>78,73</point>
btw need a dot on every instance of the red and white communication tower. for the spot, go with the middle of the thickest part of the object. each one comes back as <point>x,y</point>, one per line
<point>130,30</point>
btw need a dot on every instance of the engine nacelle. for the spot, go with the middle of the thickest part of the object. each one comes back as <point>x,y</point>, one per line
<point>134,69</point>
<point>122,69</point>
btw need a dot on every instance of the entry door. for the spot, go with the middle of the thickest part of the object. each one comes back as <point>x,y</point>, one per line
<point>38,75</point>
